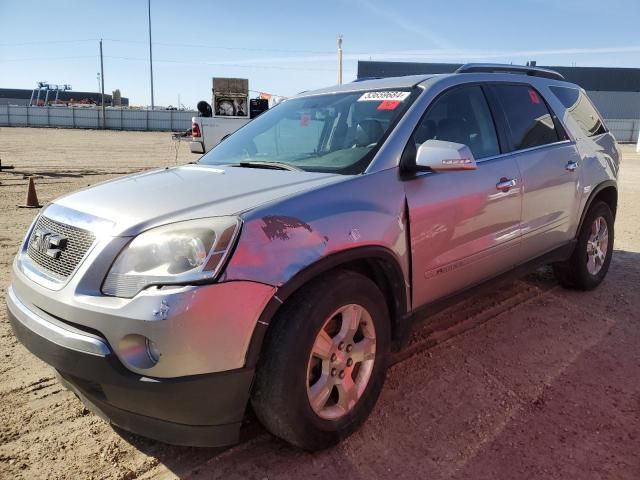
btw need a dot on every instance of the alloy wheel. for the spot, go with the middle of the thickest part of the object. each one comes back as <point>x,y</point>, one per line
<point>341,362</point>
<point>597,245</point>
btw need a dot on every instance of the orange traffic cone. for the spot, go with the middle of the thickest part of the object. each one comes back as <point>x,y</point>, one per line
<point>32,197</point>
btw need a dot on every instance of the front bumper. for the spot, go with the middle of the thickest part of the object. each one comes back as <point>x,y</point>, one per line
<point>197,329</point>
<point>196,410</point>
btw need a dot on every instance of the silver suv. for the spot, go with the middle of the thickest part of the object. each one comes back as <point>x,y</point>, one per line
<point>283,267</point>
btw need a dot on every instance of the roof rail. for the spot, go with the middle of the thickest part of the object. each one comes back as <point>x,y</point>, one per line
<point>364,79</point>
<point>502,68</point>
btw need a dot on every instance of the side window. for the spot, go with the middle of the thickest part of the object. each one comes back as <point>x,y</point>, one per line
<point>462,116</point>
<point>581,109</point>
<point>527,114</point>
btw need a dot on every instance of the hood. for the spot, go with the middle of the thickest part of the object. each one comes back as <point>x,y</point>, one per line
<point>138,202</point>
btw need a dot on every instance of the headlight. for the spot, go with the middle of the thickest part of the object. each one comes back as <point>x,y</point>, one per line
<point>172,254</point>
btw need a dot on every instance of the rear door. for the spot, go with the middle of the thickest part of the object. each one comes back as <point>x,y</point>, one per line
<point>463,227</point>
<point>549,165</point>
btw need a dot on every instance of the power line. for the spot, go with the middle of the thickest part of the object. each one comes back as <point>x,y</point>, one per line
<point>248,49</point>
<point>220,47</point>
<point>45,58</point>
<point>181,45</point>
<point>221,64</point>
<point>180,62</point>
<point>46,42</point>
<point>166,44</point>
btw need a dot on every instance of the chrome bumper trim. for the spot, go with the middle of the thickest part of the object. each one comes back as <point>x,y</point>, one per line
<point>55,331</point>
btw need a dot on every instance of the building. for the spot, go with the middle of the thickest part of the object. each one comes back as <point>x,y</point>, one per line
<point>614,91</point>
<point>22,96</point>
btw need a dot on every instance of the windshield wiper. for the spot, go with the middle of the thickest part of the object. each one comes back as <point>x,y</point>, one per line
<point>268,165</point>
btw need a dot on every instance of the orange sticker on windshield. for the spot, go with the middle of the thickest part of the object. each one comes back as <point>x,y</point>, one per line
<point>305,118</point>
<point>533,96</point>
<point>389,105</point>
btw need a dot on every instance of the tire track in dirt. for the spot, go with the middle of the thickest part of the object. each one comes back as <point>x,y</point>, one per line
<point>468,315</point>
<point>47,405</point>
<point>427,333</point>
<point>447,324</point>
<point>75,444</point>
<point>42,382</point>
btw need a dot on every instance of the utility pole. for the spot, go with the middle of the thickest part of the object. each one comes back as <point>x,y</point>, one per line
<point>339,59</point>
<point>150,54</point>
<point>104,123</point>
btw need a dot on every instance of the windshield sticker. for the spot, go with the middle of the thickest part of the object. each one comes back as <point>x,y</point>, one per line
<point>533,96</point>
<point>383,96</point>
<point>389,105</point>
<point>305,118</point>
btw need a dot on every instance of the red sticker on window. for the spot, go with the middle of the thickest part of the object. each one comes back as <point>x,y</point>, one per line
<point>534,96</point>
<point>389,104</point>
<point>305,118</point>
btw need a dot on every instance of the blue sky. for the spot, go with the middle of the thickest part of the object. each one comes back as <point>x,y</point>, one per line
<point>284,47</point>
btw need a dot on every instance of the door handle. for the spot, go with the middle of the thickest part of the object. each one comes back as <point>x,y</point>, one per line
<point>571,166</point>
<point>505,184</point>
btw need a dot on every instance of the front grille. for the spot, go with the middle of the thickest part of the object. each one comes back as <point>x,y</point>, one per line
<point>78,242</point>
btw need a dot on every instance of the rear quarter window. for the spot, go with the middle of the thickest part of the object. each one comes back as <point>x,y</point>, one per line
<point>527,115</point>
<point>581,109</point>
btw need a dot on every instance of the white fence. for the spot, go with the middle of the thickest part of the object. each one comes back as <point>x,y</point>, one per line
<point>625,130</point>
<point>91,117</point>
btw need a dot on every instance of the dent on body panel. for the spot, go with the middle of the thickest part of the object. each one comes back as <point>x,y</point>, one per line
<point>281,239</point>
<point>600,160</point>
<point>275,247</point>
<point>609,152</point>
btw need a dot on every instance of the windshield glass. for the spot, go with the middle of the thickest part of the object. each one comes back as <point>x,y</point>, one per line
<point>336,133</point>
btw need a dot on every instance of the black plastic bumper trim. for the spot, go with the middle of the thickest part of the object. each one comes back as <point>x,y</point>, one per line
<point>198,410</point>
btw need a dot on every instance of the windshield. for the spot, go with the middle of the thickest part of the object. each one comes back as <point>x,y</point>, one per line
<point>336,133</point>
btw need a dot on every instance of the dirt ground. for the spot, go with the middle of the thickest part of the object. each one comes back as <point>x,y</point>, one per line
<point>532,381</point>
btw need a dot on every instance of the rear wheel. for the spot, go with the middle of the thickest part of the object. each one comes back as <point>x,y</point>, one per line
<point>590,261</point>
<point>324,361</point>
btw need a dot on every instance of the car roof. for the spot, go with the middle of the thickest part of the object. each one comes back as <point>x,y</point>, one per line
<point>468,72</point>
<point>408,81</point>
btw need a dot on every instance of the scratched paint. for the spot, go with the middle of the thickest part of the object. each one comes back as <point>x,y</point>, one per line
<point>278,227</point>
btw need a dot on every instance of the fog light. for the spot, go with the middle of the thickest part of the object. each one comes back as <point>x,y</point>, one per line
<point>152,351</point>
<point>138,351</point>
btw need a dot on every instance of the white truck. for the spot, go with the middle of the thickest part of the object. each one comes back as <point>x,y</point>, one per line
<point>207,132</point>
<point>231,110</point>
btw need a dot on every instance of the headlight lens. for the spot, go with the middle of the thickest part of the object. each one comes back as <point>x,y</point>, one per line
<point>172,254</point>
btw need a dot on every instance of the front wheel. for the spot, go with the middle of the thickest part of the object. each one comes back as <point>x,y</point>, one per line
<point>324,361</point>
<point>590,260</point>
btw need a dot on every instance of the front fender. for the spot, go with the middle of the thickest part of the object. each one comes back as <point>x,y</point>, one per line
<point>281,239</point>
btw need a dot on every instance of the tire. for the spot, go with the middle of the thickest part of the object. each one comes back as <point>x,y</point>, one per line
<point>285,382</point>
<point>581,271</point>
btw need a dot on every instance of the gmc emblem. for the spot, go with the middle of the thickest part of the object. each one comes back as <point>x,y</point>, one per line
<point>48,243</point>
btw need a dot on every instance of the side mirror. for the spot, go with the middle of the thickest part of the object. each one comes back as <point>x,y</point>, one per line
<point>440,156</point>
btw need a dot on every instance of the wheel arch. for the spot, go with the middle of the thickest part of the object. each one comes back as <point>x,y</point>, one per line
<point>377,263</point>
<point>606,191</point>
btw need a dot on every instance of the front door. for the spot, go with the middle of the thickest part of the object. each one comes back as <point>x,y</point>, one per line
<point>464,226</point>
